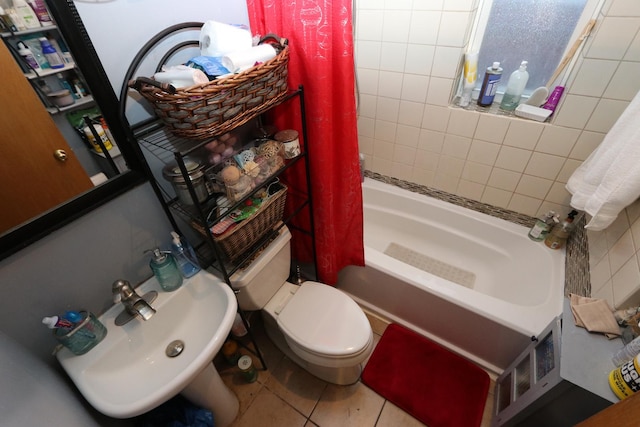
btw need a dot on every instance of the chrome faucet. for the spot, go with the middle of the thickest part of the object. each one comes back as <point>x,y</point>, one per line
<point>134,304</point>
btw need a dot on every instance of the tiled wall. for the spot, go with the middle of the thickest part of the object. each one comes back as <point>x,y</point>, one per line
<point>408,53</point>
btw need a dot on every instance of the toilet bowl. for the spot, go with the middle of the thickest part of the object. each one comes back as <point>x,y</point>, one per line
<point>317,326</point>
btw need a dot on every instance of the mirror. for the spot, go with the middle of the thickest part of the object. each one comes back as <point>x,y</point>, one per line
<point>123,177</point>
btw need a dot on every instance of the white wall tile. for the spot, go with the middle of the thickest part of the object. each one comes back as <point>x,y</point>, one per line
<point>523,134</point>
<point>492,128</point>
<point>423,176</point>
<point>401,171</point>
<point>605,115</point>
<point>469,189</point>
<point>534,186</point>
<point>365,145</point>
<point>428,4</point>
<point>390,84</point>
<point>525,204</point>
<point>453,32</point>
<point>575,111</point>
<point>624,8</point>
<point>476,172</point>
<point>448,183</point>
<point>369,4</point>
<point>458,5</point>
<point>405,155</point>
<point>496,197</point>
<point>435,118</point>
<point>446,61</point>
<point>559,195</point>
<point>368,54</point>
<point>366,126</point>
<point>613,36</point>
<point>605,293</point>
<point>382,149</point>
<point>419,59</point>
<point>398,4</point>
<point>382,166</point>
<point>586,143</point>
<point>439,91</point>
<point>385,130</point>
<point>367,105</point>
<point>600,274</point>
<point>625,282</point>
<point>456,146</point>
<point>393,56</point>
<point>395,26</point>
<point>369,25</point>
<point>426,160</point>
<point>567,170</point>
<point>483,152</point>
<point>513,159</point>
<point>387,109</point>
<point>431,141</point>
<point>557,140</point>
<point>625,82</point>
<point>424,27</point>
<point>407,135</point>
<point>462,122</point>
<point>621,251</point>
<point>411,113</point>
<point>415,87</point>
<point>593,77</point>
<point>504,179</point>
<point>451,166</point>
<point>633,53</point>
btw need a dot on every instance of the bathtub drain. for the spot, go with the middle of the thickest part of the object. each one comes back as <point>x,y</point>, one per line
<point>431,265</point>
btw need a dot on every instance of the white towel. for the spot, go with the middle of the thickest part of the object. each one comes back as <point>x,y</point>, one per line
<point>609,180</point>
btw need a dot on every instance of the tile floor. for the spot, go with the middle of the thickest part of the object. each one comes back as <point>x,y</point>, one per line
<point>286,395</point>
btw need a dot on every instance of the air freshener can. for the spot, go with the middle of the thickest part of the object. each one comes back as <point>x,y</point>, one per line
<point>625,379</point>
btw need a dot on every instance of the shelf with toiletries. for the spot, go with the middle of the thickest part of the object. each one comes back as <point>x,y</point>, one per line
<point>49,66</point>
<point>198,172</point>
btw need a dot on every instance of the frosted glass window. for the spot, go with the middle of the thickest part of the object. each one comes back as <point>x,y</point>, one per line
<point>537,31</point>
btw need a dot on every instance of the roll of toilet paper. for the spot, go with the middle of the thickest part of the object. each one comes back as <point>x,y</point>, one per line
<point>241,60</point>
<point>218,39</point>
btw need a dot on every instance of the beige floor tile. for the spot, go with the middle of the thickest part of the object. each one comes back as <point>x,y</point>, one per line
<point>355,405</point>
<point>268,410</point>
<point>392,416</point>
<point>296,386</point>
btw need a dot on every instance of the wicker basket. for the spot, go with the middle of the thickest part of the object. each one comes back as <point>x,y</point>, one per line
<point>247,233</point>
<point>216,107</point>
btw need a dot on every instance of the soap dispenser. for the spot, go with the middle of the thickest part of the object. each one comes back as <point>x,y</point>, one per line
<point>165,269</point>
<point>560,233</point>
<point>184,255</point>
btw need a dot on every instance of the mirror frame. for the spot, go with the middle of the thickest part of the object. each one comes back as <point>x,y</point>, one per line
<point>75,35</point>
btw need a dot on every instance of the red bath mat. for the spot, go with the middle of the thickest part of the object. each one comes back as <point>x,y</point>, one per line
<point>434,385</point>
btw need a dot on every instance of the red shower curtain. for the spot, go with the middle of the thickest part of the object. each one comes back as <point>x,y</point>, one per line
<point>321,58</point>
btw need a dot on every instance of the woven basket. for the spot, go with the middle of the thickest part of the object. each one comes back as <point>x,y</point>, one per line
<point>247,233</point>
<point>216,107</point>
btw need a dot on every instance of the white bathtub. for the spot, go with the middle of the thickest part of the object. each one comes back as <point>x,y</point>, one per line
<point>479,286</point>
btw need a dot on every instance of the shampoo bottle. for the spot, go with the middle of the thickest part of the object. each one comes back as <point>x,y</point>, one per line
<point>184,256</point>
<point>515,87</point>
<point>490,85</point>
<point>40,9</point>
<point>165,269</point>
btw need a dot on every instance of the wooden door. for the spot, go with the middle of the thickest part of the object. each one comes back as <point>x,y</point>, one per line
<point>32,179</point>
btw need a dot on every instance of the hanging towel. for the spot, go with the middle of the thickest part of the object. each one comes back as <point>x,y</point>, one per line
<point>609,180</point>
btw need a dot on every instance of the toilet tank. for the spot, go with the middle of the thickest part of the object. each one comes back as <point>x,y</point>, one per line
<point>256,284</point>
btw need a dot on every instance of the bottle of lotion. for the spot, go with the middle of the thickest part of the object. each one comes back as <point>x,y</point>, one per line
<point>26,14</point>
<point>28,56</point>
<point>490,85</point>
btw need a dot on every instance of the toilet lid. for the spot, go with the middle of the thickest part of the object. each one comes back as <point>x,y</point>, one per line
<point>324,320</point>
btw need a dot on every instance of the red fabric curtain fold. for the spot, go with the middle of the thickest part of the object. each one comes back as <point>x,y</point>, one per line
<point>321,59</point>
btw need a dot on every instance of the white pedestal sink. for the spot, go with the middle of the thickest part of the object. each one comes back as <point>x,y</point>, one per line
<point>129,373</point>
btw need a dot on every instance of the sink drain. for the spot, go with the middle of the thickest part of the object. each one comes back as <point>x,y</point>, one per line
<point>174,348</point>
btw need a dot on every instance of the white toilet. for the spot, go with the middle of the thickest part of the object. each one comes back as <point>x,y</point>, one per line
<point>317,326</point>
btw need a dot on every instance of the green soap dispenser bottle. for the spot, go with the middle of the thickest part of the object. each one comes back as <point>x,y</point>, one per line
<point>165,269</point>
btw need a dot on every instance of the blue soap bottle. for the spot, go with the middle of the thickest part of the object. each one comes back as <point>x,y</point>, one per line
<point>165,269</point>
<point>184,255</point>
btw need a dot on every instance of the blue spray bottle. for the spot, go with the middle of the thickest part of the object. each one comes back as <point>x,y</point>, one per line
<point>184,256</point>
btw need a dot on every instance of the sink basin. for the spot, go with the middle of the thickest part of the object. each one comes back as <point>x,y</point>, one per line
<point>129,372</point>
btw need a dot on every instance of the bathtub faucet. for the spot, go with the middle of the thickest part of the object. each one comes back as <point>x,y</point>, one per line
<point>134,304</point>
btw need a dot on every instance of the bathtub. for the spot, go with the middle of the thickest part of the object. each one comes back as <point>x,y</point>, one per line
<point>473,282</point>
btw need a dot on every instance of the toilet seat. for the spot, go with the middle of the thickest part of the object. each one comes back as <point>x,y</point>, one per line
<point>322,321</point>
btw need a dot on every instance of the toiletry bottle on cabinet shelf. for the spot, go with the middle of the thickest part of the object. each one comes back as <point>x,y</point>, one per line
<point>184,255</point>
